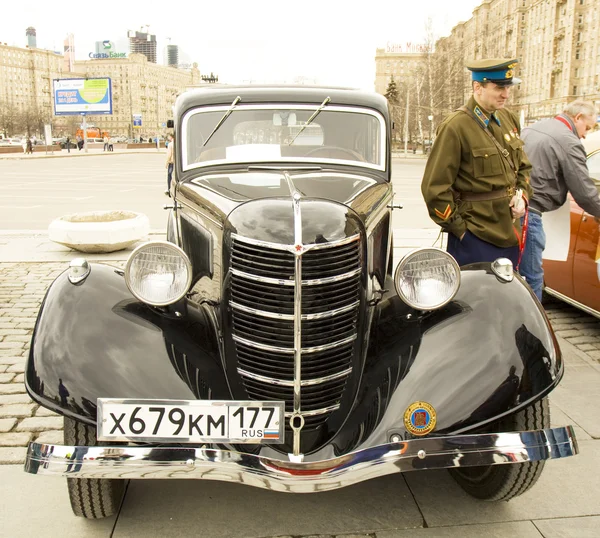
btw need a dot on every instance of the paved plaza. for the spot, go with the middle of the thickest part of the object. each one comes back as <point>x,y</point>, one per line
<point>564,503</point>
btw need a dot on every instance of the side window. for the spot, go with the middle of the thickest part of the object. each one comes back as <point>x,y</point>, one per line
<point>593,163</point>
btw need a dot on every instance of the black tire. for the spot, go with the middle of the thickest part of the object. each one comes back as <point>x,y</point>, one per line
<point>506,481</point>
<point>92,498</point>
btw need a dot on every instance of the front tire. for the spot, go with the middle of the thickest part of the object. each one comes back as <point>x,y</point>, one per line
<point>92,498</point>
<point>506,481</point>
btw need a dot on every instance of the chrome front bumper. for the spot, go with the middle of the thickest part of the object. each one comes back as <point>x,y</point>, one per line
<point>133,462</point>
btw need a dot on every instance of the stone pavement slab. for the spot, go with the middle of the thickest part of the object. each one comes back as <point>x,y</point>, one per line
<point>574,527</point>
<point>220,510</point>
<point>39,506</point>
<point>567,488</point>
<point>521,529</point>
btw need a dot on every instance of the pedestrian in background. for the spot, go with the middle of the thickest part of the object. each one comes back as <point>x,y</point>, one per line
<point>170,161</point>
<point>554,148</point>
<point>111,144</point>
<point>68,144</point>
<point>29,146</point>
<point>105,140</point>
<point>476,181</point>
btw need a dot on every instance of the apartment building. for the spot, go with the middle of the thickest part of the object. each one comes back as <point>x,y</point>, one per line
<point>26,76</point>
<point>139,87</point>
<point>400,60</point>
<point>557,43</point>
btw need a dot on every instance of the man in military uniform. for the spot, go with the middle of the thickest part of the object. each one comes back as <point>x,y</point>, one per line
<point>476,182</point>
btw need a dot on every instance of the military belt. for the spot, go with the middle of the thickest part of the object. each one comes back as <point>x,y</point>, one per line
<point>496,194</point>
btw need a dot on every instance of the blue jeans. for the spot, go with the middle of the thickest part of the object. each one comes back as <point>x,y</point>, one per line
<point>531,263</point>
<point>474,250</point>
<point>169,175</point>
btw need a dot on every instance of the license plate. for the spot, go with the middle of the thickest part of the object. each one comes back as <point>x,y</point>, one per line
<point>190,421</point>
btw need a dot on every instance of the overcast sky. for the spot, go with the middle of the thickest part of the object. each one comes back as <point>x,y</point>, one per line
<point>323,41</point>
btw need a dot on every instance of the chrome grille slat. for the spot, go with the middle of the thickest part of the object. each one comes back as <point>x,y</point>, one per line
<point>262,287</point>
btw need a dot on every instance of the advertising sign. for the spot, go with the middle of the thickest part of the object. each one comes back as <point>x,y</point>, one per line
<point>82,96</point>
<point>137,120</point>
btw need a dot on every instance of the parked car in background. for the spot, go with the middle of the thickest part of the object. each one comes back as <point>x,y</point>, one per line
<point>577,279</point>
<point>10,142</point>
<point>272,341</point>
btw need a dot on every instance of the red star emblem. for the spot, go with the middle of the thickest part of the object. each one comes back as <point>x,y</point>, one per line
<point>298,248</point>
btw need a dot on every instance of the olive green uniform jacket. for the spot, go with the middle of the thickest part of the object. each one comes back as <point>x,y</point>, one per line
<point>464,159</point>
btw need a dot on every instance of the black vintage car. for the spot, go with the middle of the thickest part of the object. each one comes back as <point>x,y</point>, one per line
<point>272,341</point>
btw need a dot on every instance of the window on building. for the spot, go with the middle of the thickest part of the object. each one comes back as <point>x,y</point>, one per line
<point>581,2</point>
<point>577,55</point>
<point>574,90</point>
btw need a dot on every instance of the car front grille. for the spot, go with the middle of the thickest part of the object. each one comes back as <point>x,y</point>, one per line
<point>262,305</point>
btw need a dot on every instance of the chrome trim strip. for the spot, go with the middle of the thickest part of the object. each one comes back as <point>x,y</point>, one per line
<point>572,302</point>
<point>297,421</point>
<point>315,412</point>
<point>339,343</point>
<point>264,347</point>
<point>282,282</point>
<point>290,248</point>
<point>304,383</point>
<point>314,349</point>
<point>265,279</point>
<point>451,451</point>
<point>289,317</point>
<point>337,243</point>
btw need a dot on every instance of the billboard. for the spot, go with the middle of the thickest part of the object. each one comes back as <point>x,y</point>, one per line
<point>82,96</point>
<point>137,120</point>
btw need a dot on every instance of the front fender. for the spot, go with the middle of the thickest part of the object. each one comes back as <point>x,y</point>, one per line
<point>488,353</point>
<point>94,339</point>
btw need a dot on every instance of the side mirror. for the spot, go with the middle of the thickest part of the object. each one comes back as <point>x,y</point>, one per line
<point>170,124</point>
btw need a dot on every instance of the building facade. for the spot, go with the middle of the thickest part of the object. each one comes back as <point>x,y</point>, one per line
<point>138,86</point>
<point>142,43</point>
<point>26,76</point>
<point>557,43</point>
<point>401,61</point>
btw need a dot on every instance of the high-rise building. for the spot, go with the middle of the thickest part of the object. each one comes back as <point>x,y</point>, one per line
<point>69,53</point>
<point>31,37</point>
<point>172,55</point>
<point>142,43</point>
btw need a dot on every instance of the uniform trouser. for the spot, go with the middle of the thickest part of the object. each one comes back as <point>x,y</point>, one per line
<point>473,250</point>
<point>531,263</point>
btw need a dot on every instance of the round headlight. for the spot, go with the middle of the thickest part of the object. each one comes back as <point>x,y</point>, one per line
<point>427,278</point>
<point>158,273</point>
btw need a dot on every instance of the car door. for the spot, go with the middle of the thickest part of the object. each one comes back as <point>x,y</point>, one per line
<point>586,274</point>
<point>558,275</point>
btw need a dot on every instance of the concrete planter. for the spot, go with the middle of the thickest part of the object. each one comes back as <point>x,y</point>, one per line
<point>99,231</point>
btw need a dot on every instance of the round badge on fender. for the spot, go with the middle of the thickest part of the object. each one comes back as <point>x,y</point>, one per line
<point>420,418</point>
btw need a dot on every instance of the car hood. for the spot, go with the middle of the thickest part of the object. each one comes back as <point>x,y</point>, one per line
<point>223,192</point>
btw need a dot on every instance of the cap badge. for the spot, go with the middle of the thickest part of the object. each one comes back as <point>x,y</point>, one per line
<point>509,74</point>
<point>420,418</point>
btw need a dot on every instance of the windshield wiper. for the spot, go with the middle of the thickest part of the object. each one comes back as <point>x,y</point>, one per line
<point>316,112</point>
<point>225,116</point>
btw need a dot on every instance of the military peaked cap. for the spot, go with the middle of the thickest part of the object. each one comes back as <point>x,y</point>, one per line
<point>496,70</point>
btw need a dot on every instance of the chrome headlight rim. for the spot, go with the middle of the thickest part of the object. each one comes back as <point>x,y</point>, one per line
<point>404,261</point>
<point>166,244</point>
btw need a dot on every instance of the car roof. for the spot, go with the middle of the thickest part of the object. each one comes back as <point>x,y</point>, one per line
<point>225,94</point>
<point>591,142</point>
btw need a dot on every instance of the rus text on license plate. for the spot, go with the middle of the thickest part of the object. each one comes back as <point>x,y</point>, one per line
<point>190,421</point>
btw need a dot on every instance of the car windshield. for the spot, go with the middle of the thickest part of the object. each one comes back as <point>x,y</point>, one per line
<point>267,134</point>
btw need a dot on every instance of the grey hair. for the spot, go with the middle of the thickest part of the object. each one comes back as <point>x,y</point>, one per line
<point>586,108</point>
